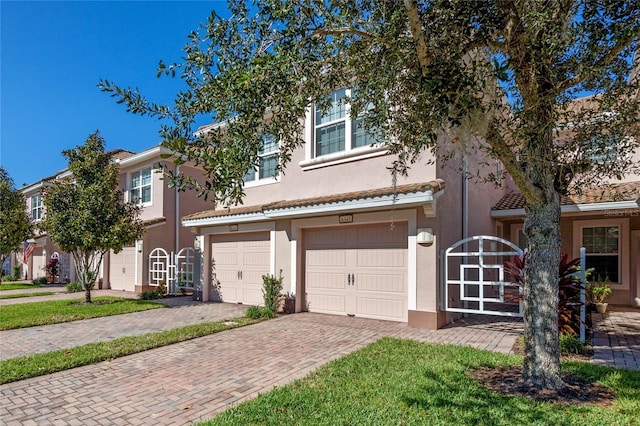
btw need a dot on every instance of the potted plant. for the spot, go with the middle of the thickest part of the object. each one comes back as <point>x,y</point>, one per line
<point>288,303</point>
<point>597,293</point>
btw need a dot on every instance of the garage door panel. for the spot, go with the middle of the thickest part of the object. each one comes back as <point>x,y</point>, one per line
<point>252,296</point>
<point>327,238</point>
<point>381,308</point>
<point>327,258</point>
<point>252,258</point>
<point>386,283</point>
<point>381,258</point>
<point>386,235</point>
<point>122,269</point>
<point>222,259</point>
<point>326,281</point>
<point>328,304</point>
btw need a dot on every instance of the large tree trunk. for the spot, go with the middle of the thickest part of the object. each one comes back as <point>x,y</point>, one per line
<point>541,336</point>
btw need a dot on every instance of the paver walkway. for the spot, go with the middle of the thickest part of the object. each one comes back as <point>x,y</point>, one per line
<point>194,380</point>
<point>616,338</point>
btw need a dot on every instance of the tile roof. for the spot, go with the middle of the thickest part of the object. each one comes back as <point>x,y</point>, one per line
<point>628,191</point>
<point>433,186</point>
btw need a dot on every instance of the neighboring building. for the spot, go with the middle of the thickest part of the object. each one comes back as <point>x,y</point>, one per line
<point>161,210</point>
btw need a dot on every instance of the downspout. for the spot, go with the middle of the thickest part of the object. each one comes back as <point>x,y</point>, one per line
<point>177,212</point>
<point>465,198</point>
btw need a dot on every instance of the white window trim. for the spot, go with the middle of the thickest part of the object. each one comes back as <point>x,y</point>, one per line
<point>39,207</point>
<point>624,244</point>
<point>130,188</point>
<point>257,181</point>
<point>311,162</point>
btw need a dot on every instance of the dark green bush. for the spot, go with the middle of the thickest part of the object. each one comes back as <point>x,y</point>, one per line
<point>17,272</point>
<point>254,312</point>
<point>571,344</point>
<point>74,287</point>
<point>40,281</point>
<point>150,295</point>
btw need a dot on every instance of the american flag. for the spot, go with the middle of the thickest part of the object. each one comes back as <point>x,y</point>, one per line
<point>27,249</point>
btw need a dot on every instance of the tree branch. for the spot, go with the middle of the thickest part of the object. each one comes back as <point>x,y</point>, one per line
<point>415,25</point>
<point>620,45</point>
<point>347,31</point>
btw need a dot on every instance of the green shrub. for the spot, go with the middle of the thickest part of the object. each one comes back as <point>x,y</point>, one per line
<point>17,272</point>
<point>40,281</point>
<point>150,295</point>
<point>571,344</point>
<point>74,287</point>
<point>7,278</point>
<point>271,291</point>
<point>254,312</point>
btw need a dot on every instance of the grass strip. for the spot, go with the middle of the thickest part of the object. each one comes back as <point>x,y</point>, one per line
<point>401,382</point>
<point>13,285</point>
<point>20,295</point>
<point>53,312</point>
<point>24,367</point>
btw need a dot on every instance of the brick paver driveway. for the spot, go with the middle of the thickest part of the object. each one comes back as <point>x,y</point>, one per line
<point>195,380</point>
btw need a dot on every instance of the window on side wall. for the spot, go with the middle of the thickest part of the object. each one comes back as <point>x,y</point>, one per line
<point>269,156</point>
<point>140,186</point>
<point>335,130</point>
<point>36,207</point>
<point>602,244</point>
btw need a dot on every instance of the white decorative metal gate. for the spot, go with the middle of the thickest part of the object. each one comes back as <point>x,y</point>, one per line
<point>175,271</point>
<point>474,279</point>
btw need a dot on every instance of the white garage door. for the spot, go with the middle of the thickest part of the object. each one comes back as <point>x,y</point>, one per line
<point>359,271</point>
<point>122,269</point>
<point>239,261</point>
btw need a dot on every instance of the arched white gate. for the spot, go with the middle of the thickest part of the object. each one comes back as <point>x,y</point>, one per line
<point>474,277</point>
<point>175,271</point>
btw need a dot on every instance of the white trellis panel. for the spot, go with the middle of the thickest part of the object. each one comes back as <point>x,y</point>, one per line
<point>474,279</point>
<point>176,271</point>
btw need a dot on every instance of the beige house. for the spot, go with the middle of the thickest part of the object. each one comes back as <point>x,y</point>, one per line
<point>348,242</point>
<point>161,209</point>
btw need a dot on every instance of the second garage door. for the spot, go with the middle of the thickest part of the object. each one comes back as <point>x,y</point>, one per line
<point>239,261</point>
<point>359,271</point>
<point>122,269</point>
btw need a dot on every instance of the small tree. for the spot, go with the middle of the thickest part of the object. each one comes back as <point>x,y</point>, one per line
<point>85,215</point>
<point>15,224</point>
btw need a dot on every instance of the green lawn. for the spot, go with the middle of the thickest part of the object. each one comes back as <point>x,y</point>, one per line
<point>24,367</point>
<point>20,295</point>
<point>401,382</point>
<point>53,312</point>
<point>14,285</point>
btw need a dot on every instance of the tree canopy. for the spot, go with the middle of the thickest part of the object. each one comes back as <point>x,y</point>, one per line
<point>85,214</point>
<point>502,76</point>
<point>15,223</point>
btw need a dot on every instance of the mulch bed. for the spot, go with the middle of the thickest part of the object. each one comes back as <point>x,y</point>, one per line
<point>508,382</point>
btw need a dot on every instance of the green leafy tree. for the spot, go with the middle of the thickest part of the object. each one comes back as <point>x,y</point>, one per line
<point>15,223</point>
<point>85,214</point>
<point>501,76</point>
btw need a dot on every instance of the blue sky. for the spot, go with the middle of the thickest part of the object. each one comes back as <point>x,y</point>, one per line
<point>53,53</point>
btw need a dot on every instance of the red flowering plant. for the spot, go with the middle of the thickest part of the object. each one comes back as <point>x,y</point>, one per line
<point>53,268</point>
<point>569,286</point>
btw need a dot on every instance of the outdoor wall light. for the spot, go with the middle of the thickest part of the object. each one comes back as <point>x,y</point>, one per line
<point>196,243</point>
<point>425,236</point>
<point>139,246</point>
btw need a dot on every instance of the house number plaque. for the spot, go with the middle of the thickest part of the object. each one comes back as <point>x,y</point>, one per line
<point>345,218</point>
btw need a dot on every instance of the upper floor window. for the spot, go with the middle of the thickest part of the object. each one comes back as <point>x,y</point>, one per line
<point>602,244</point>
<point>36,207</point>
<point>601,149</point>
<point>268,161</point>
<point>335,130</point>
<point>140,186</point>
